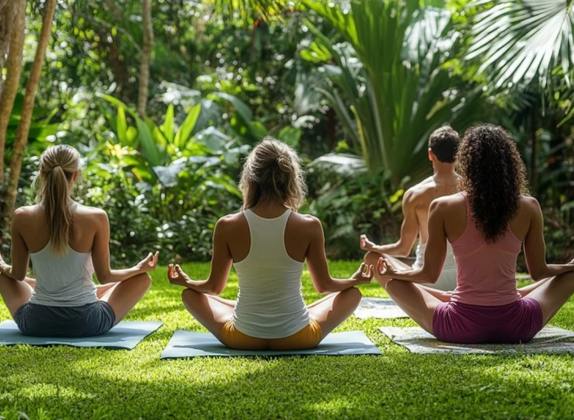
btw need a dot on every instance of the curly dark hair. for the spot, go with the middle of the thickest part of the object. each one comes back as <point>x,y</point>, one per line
<point>493,176</point>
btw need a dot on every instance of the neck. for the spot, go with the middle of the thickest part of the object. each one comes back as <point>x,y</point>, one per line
<point>444,171</point>
<point>269,208</point>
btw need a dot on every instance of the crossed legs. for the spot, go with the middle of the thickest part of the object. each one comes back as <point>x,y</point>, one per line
<point>15,293</point>
<point>214,312</point>
<point>123,296</point>
<point>420,302</point>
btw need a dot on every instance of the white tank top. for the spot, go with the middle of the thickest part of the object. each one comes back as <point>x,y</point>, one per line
<point>63,280</point>
<point>270,304</point>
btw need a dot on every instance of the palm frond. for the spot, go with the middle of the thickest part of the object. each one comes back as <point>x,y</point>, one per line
<point>520,40</point>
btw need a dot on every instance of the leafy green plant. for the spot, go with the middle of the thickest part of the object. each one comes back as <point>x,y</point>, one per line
<point>522,40</point>
<point>349,200</point>
<point>392,88</point>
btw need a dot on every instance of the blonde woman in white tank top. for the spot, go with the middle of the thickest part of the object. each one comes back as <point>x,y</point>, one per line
<point>67,243</point>
<point>268,243</point>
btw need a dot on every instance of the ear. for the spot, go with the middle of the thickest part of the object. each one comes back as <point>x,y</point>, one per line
<point>75,176</point>
<point>431,155</point>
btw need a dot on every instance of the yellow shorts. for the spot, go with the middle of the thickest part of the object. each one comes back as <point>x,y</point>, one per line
<point>307,338</point>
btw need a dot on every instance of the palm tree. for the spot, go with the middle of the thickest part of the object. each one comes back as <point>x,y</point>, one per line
<point>526,49</point>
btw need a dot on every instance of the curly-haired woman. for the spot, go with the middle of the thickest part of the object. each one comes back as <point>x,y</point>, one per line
<point>268,243</point>
<point>487,224</point>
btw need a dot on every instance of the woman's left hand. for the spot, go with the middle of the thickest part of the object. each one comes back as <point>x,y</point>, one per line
<point>149,263</point>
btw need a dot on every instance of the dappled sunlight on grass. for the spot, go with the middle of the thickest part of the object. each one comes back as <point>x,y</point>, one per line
<point>67,382</point>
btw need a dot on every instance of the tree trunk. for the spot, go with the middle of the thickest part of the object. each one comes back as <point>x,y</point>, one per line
<point>26,117</point>
<point>14,68</point>
<point>143,90</point>
<point>7,12</point>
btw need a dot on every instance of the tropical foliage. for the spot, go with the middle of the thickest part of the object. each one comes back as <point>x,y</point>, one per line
<point>393,87</point>
<point>165,98</point>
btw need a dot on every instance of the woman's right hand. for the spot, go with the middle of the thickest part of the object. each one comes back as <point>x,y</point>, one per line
<point>363,275</point>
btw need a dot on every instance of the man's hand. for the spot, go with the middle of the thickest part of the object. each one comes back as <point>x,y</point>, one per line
<point>176,276</point>
<point>366,244</point>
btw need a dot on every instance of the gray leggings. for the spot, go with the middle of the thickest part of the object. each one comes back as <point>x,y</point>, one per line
<point>58,321</point>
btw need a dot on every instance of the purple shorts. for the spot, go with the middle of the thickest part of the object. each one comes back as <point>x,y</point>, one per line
<point>516,322</point>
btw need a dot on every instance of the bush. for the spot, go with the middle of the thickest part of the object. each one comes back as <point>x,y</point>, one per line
<point>349,201</point>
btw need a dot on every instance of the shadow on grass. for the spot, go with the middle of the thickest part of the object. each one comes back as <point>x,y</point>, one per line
<point>361,386</point>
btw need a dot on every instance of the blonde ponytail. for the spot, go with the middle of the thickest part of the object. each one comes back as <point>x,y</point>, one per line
<point>58,165</point>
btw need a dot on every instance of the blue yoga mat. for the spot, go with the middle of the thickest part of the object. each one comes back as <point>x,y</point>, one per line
<point>126,335</point>
<point>186,344</point>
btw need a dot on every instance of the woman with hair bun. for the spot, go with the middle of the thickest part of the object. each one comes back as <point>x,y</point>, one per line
<point>487,224</point>
<point>268,243</point>
<point>66,242</point>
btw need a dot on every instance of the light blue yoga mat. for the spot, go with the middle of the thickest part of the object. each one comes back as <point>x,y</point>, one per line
<point>185,344</point>
<point>126,335</point>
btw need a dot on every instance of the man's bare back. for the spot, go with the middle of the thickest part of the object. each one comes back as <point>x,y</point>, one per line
<point>422,194</point>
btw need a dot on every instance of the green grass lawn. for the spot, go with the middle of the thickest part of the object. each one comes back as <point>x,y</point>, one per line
<point>62,382</point>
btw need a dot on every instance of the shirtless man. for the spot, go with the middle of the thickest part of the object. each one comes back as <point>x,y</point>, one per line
<point>443,145</point>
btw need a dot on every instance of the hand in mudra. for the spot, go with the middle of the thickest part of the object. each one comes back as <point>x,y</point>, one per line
<point>385,269</point>
<point>175,275</point>
<point>364,274</point>
<point>149,263</point>
<point>365,243</point>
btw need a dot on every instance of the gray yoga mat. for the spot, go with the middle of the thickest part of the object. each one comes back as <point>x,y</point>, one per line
<point>379,308</point>
<point>185,344</point>
<point>551,340</point>
<point>126,335</point>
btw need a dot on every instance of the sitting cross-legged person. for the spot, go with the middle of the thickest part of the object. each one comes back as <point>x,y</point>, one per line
<point>443,145</point>
<point>487,224</point>
<point>66,242</point>
<point>268,243</point>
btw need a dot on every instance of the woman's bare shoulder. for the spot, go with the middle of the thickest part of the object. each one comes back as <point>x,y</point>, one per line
<point>84,210</point>
<point>448,203</point>
<point>305,224</point>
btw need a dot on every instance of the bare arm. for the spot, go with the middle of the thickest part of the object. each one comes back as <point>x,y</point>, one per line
<point>101,256</point>
<point>435,253</point>
<point>317,262</point>
<point>19,253</point>
<point>409,232</point>
<point>221,262</point>
<point>535,249</point>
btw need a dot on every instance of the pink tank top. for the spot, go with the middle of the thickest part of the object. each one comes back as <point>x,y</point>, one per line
<point>486,272</point>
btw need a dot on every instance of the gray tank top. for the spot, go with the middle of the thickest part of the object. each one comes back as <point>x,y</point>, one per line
<point>63,280</point>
